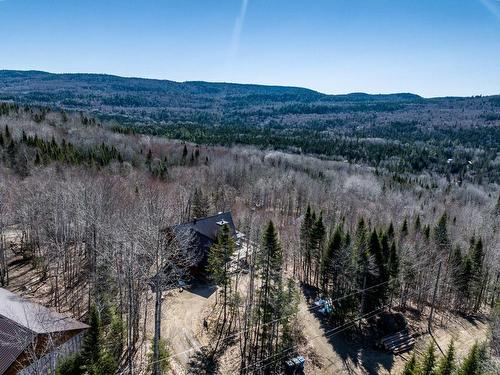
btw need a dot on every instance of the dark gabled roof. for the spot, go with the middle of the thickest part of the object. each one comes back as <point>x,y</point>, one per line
<point>209,226</point>
<point>202,233</point>
<point>21,321</point>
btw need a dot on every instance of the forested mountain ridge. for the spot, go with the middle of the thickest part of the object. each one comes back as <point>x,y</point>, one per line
<point>31,81</point>
<point>456,137</point>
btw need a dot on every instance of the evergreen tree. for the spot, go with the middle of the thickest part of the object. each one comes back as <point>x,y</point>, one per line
<point>184,153</point>
<point>164,357</point>
<point>219,258</point>
<point>289,302</point>
<point>331,252</point>
<point>375,249</point>
<point>317,244</point>
<point>200,205</point>
<point>361,239</point>
<point>269,263</point>
<point>362,260</point>
<point>441,235</point>
<point>393,261</point>
<point>477,258</point>
<point>100,353</point>
<point>466,282</point>
<point>418,224</point>
<point>456,263</point>
<point>70,365</point>
<point>305,241</point>
<point>404,228</point>
<point>106,365</point>
<point>447,364</point>
<point>115,341</point>
<point>11,152</point>
<point>410,366</point>
<point>457,269</point>
<point>91,347</point>
<point>390,232</point>
<point>270,256</point>
<point>477,255</point>
<point>427,232</point>
<point>38,160</point>
<point>473,364</point>
<point>428,363</point>
<point>377,295</point>
<point>385,247</point>
<point>149,158</point>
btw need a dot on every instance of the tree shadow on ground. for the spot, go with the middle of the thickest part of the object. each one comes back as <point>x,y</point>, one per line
<point>474,319</point>
<point>202,290</point>
<point>203,362</point>
<point>354,345</point>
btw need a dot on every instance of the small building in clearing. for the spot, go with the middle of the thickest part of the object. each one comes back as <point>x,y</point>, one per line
<point>34,338</point>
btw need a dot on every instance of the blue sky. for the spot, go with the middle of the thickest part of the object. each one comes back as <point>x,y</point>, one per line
<point>428,47</point>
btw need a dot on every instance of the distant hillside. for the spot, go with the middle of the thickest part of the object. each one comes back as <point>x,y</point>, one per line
<point>152,99</point>
<point>400,132</point>
<point>23,82</point>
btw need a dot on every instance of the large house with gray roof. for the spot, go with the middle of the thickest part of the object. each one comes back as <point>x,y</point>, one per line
<point>203,232</point>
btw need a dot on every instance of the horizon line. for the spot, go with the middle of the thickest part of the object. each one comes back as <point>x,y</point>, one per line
<point>246,84</point>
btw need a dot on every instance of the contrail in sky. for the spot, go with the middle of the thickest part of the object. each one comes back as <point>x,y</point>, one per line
<point>238,26</point>
<point>218,103</point>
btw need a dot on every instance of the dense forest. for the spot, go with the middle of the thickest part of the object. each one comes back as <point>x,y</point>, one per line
<point>403,133</point>
<point>85,201</point>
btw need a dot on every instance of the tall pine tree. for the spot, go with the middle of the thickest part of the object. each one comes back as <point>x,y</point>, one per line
<point>269,264</point>
<point>219,259</point>
<point>410,366</point>
<point>447,364</point>
<point>428,363</point>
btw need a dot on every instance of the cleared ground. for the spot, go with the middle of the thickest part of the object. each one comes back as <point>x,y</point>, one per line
<point>182,323</point>
<point>325,354</point>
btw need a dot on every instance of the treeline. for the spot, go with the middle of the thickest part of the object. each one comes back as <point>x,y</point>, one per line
<point>340,263</point>
<point>380,263</point>
<point>477,362</point>
<point>412,146</point>
<point>46,152</point>
<point>32,151</point>
<point>472,151</point>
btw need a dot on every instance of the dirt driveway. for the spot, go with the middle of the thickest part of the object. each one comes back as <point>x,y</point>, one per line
<point>325,354</point>
<point>322,358</point>
<point>335,355</point>
<point>182,316</point>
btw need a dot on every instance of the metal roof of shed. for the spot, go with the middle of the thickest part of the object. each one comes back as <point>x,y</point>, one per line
<point>33,316</point>
<point>21,321</point>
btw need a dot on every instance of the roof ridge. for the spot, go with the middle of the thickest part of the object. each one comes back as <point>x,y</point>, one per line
<point>28,311</point>
<point>206,217</point>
